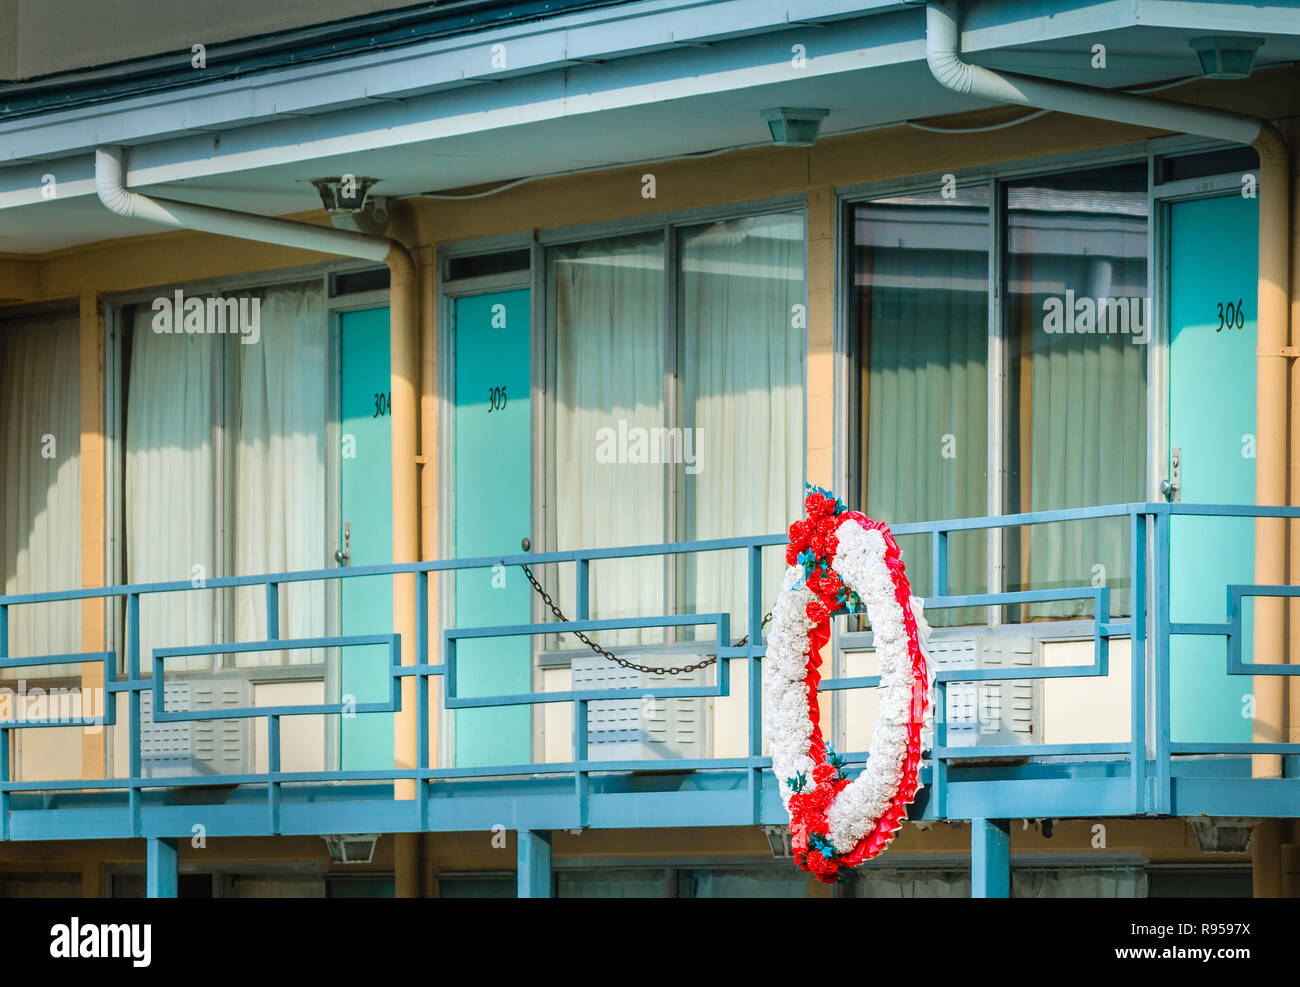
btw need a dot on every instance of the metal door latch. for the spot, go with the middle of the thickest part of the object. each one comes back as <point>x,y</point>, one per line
<point>1171,486</point>
<point>344,555</point>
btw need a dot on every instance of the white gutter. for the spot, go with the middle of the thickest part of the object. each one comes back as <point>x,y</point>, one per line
<point>942,40</point>
<point>186,216</point>
<point>1273,353</point>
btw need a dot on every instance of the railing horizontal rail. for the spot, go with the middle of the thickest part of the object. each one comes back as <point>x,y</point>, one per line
<point>1148,625</point>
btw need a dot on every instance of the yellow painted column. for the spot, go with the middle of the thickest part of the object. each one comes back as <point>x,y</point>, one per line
<point>1271,444</point>
<point>426,260</point>
<point>405,383</point>
<point>93,535</point>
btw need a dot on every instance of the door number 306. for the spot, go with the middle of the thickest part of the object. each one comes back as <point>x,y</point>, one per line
<point>1231,316</point>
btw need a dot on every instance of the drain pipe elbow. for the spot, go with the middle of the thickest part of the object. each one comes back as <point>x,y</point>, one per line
<point>942,42</point>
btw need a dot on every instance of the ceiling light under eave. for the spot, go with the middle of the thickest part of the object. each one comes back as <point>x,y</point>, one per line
<point>1226,56</point>
<point>794,126</point>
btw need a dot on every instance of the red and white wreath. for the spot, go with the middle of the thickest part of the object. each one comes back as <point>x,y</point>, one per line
<point>839,559</point>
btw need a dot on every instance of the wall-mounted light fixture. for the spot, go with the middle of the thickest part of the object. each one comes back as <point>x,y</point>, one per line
<point>346,193</point>
<point>1226,56</point>
<point>794,126</point>
<point>352,848</point>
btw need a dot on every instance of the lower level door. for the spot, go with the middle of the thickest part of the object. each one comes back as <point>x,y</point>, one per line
<point>493,510</point>
<point>1213,285</point>
<point>366,532</point>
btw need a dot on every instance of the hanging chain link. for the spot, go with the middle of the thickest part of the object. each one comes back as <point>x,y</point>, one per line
<point>674,670</point>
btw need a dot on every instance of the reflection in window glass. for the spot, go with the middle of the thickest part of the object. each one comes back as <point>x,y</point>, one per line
<point>1078,315</point>
<point>920,293</point>
<point>741,369</point>
<point>783,882</point>
<point>608,367</point>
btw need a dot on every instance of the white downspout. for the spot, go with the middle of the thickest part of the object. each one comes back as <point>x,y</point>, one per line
<point>405,368</point>
<point>113,193</point>
<point>942,40</point>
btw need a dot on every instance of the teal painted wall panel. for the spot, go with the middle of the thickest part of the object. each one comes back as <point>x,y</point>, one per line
<point>493,503</point>
<point>1213,278</point>
<point>366,501</point>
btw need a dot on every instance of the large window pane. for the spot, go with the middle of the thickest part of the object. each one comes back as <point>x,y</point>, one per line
<point>1078,316</point>
<point>741,355</point>
<point>40,494</point>
<point>920,294</point>
<point>608,385</point>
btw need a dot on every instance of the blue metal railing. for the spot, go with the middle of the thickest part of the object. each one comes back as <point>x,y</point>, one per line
<point>1148,786</point>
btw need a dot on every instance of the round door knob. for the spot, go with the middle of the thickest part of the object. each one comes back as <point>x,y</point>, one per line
<point>525,544</point>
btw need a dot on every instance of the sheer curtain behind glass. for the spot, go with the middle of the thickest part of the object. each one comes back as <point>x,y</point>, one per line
<point>266,402</point>
<point>171,484</point>
<point>280,469</point>
<point>920,269</point>
<point>608,367</point>
<point>1078,416</point>
<point>40,490</point>
<point>742,372</point>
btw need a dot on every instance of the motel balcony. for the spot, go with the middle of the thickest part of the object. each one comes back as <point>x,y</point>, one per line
<point>1151,691</point>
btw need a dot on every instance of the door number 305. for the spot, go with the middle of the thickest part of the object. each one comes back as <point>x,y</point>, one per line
<point>496,399</point>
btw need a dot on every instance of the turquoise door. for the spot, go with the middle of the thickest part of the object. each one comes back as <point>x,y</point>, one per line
<point>1213,277</point>
<point>366,531</point>
<point>493,507</point>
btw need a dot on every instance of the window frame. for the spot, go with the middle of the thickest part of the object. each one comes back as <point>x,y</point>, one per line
<point>116,305</point>
<point>847,439</point>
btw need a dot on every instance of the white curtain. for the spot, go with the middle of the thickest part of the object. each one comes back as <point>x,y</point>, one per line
<point>1079,882</point>
<point>609,382</point>
<point>742,373</point>
<point>911,882</point>
<point>171,485</point>
<point>921,273</point>
<point>258,506</point>
<point>280,495</point>
<point>40,495</point>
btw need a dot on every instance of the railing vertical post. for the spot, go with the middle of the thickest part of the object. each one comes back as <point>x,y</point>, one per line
<point>1164,766</point>
<point>422,696</point>
<point>273,768</point>
<point>534,861</point>
<point>584,589</point>
<point>4,733</point>
<point>940,558</point>
<point>581,782</point>
<point>4,780</point>
<point>161,868</point>
<point>754,678</point>
<point>1138,661</point>
<point>990,858</point>
<point>939,776</point>
<point>133,708</point>
<point>272,612</point>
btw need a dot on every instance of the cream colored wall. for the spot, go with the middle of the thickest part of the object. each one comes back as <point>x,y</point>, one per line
<point>302,738</point>
<point>48,36</point>
<point>1091,710</point>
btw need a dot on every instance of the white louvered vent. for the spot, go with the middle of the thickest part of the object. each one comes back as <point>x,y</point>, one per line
<point>992,713</point>
<point>646,728</point>
<point>196,747</point>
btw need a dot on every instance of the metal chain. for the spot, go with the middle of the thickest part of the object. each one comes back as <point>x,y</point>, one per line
<point>559,615</point>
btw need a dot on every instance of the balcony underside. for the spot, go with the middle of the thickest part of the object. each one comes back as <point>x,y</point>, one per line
<point>1075,789</point>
